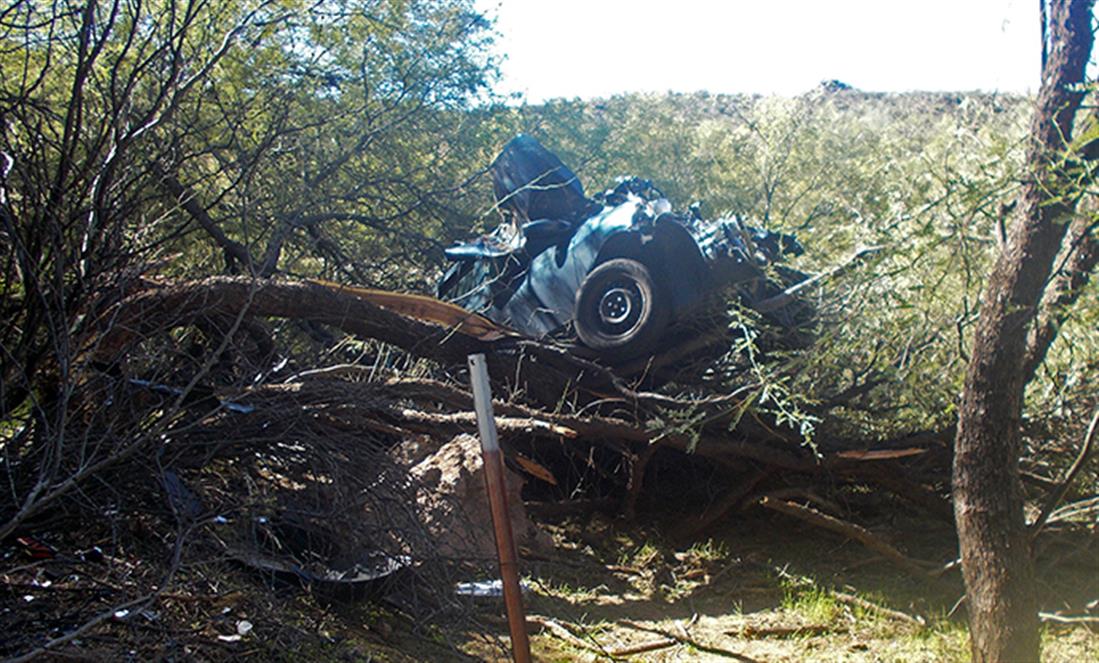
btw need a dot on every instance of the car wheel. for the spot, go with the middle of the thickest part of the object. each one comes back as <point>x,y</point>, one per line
<point>621,310</point>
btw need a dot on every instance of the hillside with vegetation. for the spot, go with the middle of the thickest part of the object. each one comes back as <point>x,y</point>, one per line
<point>206,427</point>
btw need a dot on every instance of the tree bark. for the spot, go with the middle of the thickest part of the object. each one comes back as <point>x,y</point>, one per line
<point>543,372</point>
<point>235,252</point>
<point>988,497</point>
<point>1080,259</point>
<point>176,304</point>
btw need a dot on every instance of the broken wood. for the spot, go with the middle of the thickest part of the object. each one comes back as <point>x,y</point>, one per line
<point>682,639</point>
<point>1058,618</point>
<point>869,606</point>
<point>541,370</point>
<point>851,531</point>
<point>415,419</point>
<point>880,454</point>
<point>560,631</point>
<point>543,374</point>
<point>631,650</point>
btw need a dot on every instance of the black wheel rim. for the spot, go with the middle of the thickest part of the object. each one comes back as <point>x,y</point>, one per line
<point>619,307</point>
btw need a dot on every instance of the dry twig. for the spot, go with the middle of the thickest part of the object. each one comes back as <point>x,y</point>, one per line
<point>1058,618</point>
<point>683,639</point>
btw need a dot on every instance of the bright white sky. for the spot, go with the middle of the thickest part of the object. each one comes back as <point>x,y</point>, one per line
<point>595,48</point>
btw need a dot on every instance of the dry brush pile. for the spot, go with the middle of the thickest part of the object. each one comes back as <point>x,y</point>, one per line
<point>193,425</point>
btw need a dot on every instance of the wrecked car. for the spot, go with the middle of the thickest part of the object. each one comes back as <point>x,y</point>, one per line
<point>618,268</point>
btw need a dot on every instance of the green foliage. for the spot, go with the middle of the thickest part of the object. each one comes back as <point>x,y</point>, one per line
<point>345,140</point>
<point>923,176</point>
<point>187,138</point>
<point>339,139</point>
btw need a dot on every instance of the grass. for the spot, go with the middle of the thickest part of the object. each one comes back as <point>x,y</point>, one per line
<point>814,605</point>
<point>707,551</point>
<point>641,557</point>
<point>750,590</point>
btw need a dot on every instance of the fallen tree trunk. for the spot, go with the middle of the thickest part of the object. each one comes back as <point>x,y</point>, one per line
<point>543,371</point>
<point>169,305</point>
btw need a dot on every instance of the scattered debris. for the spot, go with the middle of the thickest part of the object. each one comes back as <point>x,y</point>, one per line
<point>35,549</point>
<point>481,589</point>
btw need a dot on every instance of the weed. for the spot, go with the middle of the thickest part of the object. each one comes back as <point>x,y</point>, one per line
<point>814,604</point>
<point>707,551</point>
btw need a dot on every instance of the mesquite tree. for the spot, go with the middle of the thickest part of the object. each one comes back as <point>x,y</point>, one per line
<point>140,137</point>
<point>988,497</point>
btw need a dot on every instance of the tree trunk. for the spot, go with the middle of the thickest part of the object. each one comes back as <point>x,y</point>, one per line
<point>988,497</point>
<point>1081,255</point>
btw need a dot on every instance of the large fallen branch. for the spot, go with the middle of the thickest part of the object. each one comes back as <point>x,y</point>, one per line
<point>541,370</point>
<point>171,305</point>
<point>851,531</point>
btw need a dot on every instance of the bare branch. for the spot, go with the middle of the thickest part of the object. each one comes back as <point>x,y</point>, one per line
<point>1059,492</point>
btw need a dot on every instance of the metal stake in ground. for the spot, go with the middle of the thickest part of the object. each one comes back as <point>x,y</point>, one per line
<point>498,503</point>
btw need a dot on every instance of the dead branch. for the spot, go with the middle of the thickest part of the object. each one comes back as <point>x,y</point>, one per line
<point>1058,493</point>
<point>631,650</point>
<point>805,493</point>
<point>1082,507</point>
<point>540,370</point>
<point>630,438</point>
<point>851,531</point>
<point>560,631</point>
<point>675,356</point>
<point>1058,618</point>
<point>870,606</point>
<point>682,639</point>
<point>177,304</point>
<point>467,421</point>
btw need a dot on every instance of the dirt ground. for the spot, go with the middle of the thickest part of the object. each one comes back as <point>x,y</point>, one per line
<point>764,589</point>
<point>758,588</point>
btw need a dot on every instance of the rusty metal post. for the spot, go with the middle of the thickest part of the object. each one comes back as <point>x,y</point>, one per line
<point>498,503</point>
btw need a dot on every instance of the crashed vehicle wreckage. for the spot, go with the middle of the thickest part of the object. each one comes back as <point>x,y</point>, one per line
<point>620,268</point>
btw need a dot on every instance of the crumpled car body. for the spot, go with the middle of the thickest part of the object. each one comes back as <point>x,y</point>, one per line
<point>619,269</point>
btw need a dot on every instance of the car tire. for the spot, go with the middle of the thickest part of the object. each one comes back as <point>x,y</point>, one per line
<point>621,309</point>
